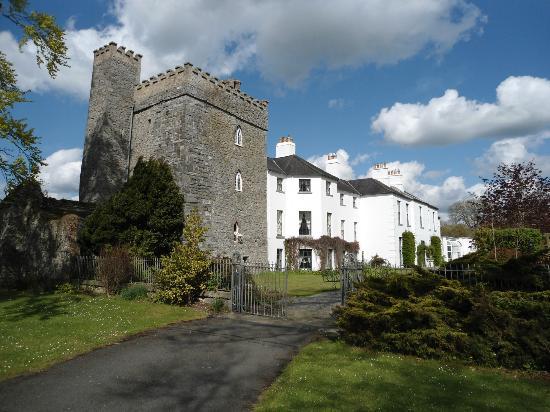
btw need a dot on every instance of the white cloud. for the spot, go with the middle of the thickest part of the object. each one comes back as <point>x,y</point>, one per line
<point>521,108</point>
<point>342,169</point>
<point>338,103</point>
<point>452,189</point>
<point>284,39</point>
<point>61,175</point>
<point>514,150</point>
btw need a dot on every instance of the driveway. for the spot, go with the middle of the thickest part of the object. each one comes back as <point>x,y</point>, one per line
<point>213,364</point>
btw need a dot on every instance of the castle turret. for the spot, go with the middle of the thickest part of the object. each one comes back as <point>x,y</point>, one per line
<point>108,133</point>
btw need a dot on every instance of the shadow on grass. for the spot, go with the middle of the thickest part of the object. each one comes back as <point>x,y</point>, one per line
<point>43,307</point>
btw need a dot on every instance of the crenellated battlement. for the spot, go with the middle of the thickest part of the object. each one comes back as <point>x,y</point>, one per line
<point>112,49</point>
<point>191,74</point>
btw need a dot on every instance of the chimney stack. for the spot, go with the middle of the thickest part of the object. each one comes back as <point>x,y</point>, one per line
<point>332,164</point>
<point>285,147</point>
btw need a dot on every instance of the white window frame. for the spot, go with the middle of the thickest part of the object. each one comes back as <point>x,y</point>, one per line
<point>355,231</point>
<point>399,213</point>
<point>329,224</point>
<point>327,188</point>
<point>279,223</point>
<point>300,185</point>
<point>239,136</point>
<point>342,199</point>
<point>280,189</point>
<point>342,228</point>
<point>301,214</point>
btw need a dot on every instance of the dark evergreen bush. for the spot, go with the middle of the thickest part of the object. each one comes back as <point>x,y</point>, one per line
<point>408,249</point>
<point>134,292</point>
<point>428,316</point>
<point>147,214</point>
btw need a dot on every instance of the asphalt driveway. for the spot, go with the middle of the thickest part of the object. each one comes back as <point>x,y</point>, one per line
<point>211,364</point>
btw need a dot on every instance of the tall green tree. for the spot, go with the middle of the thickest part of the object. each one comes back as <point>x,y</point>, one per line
<point>20,156</point>
<point>147,214</point>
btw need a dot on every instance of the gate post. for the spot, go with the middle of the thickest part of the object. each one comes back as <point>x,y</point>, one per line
<point>236,283</point>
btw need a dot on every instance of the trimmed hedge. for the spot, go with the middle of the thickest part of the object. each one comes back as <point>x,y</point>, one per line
<point>435,245</point>
<point>524,240</point>
<point>408,249</point>
<point>428,316</point>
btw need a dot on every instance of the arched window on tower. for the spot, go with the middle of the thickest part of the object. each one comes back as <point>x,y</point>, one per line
<point>239,136</point>
<point>237,236</point>
<point>238,182</point>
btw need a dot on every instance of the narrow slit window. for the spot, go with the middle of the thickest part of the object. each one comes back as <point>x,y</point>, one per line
<point>238,182</point>
<point>239,136</point>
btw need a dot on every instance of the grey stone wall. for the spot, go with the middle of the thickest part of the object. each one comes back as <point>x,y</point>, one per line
<point>188,118</point>
<point>105,158</point>
<point>190,122</point>
<point>38,237</point>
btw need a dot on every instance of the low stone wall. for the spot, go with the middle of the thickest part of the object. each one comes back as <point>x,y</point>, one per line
<point>38,237</point>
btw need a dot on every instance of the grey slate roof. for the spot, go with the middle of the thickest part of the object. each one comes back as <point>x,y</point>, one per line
<point>370,186</point>
<point>296,166</point>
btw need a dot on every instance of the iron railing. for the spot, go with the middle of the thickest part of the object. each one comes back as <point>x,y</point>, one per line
<point>259,289</point>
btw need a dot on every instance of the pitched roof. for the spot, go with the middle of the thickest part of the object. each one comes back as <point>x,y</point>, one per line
<point>296,166</point>
<point>370,186</point>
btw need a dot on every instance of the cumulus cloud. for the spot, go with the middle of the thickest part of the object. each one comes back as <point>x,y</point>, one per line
<point>61,175</point>
<point>452,189</point>
<point>514,150</point>
<point>521,108</point>
<point>283,39</point>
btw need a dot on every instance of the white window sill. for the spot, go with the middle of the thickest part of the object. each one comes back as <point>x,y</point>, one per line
<point>304,193</point>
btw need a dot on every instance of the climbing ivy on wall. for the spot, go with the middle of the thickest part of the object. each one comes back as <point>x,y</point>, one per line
<point>408,249</point>
<point>321,247</point>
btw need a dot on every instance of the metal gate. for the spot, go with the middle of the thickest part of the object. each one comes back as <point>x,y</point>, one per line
<point>259,290</point>
<point>349,276</point>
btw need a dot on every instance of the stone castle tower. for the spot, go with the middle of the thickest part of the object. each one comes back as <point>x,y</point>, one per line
<point>211,134</point>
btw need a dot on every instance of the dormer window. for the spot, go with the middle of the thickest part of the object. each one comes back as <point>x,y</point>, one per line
<point>239,136</point>
<point>238,182</point>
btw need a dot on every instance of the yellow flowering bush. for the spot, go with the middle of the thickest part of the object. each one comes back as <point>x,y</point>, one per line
<point>184,273</point>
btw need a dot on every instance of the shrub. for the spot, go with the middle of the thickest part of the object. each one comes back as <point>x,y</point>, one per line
<point>435,246</point>
<point>428,316</point>
<point>218,305</point>
<point>147,214</point>
<point>408,249</point>
<point>65,289</point>
<point>509,242</point>
<point>134,292</point>
<point>185,272</point>
<point>421,254</point>
<point>114,268</point>
<point>378,261</point>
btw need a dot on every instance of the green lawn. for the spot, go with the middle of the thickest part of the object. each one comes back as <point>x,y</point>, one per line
<point>39,330</point>
<point>334,376</point>
<point>306,284</point>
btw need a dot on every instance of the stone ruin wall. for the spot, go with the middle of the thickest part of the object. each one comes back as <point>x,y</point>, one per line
<point>38,238</point>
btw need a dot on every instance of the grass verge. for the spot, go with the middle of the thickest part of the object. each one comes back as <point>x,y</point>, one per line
<point>335,376</point>
<point>39,330</point>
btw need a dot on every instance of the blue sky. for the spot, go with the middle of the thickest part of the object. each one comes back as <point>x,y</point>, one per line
<point>361,77</point>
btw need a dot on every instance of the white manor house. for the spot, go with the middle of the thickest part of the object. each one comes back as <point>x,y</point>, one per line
<point>304,200</point>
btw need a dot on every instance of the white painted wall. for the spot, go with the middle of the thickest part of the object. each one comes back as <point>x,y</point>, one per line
<point>291,202</point>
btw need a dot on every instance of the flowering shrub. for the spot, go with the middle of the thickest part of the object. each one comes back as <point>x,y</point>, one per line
<point>185,272</point>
